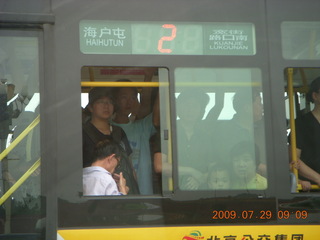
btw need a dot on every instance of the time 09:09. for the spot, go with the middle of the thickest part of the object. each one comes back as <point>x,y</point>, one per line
<point>263,214</point>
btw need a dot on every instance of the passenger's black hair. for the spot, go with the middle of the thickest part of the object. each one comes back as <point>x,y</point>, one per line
<point>314,87</point>
<point>115,90</point>
<point>246,147</point>
<point>95,94</point>
<point>195,93</point>
<point>104,149</point>
<point>219,166</point>
<point>100,92</point>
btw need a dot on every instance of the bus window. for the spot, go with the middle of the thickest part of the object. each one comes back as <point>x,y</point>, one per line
<point>300,40</point>
<point>303,111</point>
<point>21,209</point>
<point>123,104</point>
<point>223,147</point>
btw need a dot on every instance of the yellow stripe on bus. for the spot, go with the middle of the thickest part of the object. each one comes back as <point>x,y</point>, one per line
<point>274,232</point>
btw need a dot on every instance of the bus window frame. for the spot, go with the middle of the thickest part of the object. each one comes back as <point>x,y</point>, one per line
<point>162,85</point>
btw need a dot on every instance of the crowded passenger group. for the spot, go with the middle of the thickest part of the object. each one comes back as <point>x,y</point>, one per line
<point>122,147</point>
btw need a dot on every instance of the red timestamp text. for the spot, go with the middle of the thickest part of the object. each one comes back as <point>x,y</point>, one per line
<point>260,215</point>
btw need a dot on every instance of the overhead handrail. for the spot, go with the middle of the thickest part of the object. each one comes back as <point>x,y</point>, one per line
<point>121,84</point>
<point>162,84</point>
<point>22,135</point>
<point>21,180</point>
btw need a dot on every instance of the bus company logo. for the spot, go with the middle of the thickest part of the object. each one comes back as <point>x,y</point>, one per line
<point>194,235</point>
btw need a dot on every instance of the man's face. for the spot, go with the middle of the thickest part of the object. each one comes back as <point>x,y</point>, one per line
<point>127,101</point>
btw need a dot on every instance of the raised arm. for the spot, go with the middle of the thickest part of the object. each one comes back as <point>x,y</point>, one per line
<point>146,94</point>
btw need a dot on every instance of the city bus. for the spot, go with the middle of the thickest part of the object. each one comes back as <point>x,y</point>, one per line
<point>238,71</point>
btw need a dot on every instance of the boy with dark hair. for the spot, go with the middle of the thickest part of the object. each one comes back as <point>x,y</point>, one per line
<point>98,179</point>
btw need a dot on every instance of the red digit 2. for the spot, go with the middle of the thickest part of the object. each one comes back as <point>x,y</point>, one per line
<point>167,38</point>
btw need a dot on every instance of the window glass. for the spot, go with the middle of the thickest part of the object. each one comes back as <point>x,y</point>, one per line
<point>302,109</point>
<point>300,40</point>
<point>19,134</point>
<point>220,129</point>
<point>121,106</point>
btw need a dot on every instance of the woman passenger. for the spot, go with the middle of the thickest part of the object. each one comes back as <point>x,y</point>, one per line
<point>308,138</point>
<point>98,128</point>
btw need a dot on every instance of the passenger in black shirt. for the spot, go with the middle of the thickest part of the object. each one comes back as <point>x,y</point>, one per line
<point>97,128</point>
<point>308,137</point>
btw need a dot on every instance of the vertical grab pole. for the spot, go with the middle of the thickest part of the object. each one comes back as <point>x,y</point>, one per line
<point>293,144</point>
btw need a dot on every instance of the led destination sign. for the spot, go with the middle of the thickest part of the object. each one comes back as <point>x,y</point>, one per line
<point>166,38</point>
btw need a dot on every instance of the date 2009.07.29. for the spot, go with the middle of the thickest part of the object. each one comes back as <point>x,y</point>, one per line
<point>263,214</point>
